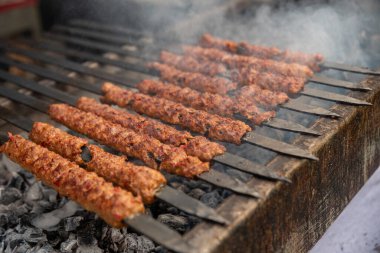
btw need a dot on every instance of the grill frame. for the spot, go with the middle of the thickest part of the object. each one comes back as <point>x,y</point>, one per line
<point>291,218</point>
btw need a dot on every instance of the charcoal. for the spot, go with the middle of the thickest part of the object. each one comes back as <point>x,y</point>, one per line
<point>22,247</point>
<point>196,193</point>
<point>33,193</point>
<point>144,244</point>
<point>12,239</point>
<point>17,182</point>
<point>205,186</point>
<point>212,199</point>
<point>53,238</point>
<point>89,249</point>
<point>68,246</point>
<point>114,238</point>
<point>2,231</point>
<point>34,235</point>
<point>46,248</point>
<point>159,249</point>
<point>129,244</point>
<point>3,219</point>
<point>71,223</point>
<point>86,236</point>
<point>179,186</point>
<point>10,195</point>
<point>179,223</point>
<point>225,193</point>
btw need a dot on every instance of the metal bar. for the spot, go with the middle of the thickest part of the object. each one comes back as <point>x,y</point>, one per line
<point>333,97</point>
<point>106,28</point>
<point>290,126</point>
<point>309,109</point>
<point>348,68</point>
<point>337,83</point>
<point>54,75</point>
<point>111,38</point>
<point>51,46</point>
<point>70,65</point>
<point>278,146</point>
<point>159,233</point>
<point>44,90</point>
<point>217,178</point>
<point>90,44</point>
<point>247,166</point>
<point>189,204</point>
<point>20,122</point>
<point>36,104</point>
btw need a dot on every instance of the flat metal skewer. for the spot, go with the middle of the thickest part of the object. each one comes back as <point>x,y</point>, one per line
<point>333,96</point>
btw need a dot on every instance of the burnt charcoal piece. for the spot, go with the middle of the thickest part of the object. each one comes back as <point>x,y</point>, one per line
<point>68,246</point>
<point>10,195</point>
<point>89,249</point>
<point>212,199</point>
<point>179,223</point>
<point>3,220</point>
<point>72,223</point>
<point>47,248</point>
<point>22,247</point>
<point>144,244</point>
<point>17,182</point>
<point>54,238</point>
<point>134,243</point>
<point>34,235</point>
<point>86,236</point>
<point>159,249</point>
<point>196,193</point>
<point>129,244</point>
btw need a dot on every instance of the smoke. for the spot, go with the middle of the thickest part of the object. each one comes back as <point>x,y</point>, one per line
<point>340,30</point>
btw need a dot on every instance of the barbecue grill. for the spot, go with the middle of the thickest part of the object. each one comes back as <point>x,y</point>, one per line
<point>283,186</point>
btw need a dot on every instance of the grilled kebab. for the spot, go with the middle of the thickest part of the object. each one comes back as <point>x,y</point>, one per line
<point>140,180</point>
<point>198,146</point>
<point>243,75</point>
<point>196,81</point>
<point>234,61</point>
<point>244,48</point>
<point>149,150</point>
<point>214,126</point>
<point>111,203</point>
<point>213,103</point>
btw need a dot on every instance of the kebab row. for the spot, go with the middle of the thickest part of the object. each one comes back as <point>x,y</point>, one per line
<point>115,205</point>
